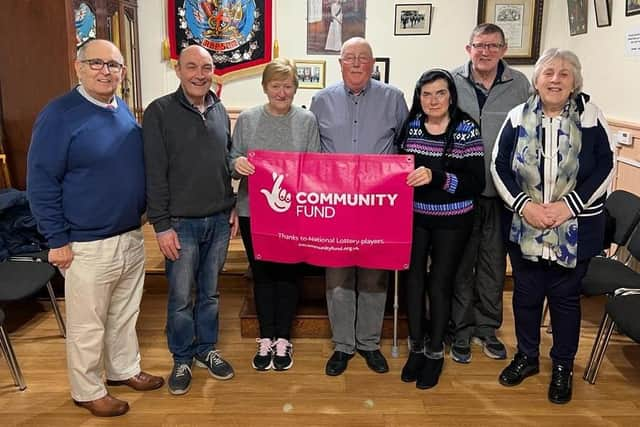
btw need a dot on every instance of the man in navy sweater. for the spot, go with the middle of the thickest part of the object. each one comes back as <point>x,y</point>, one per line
<point>86,186</point>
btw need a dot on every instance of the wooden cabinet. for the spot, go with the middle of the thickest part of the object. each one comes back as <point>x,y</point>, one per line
<point>37,52</point>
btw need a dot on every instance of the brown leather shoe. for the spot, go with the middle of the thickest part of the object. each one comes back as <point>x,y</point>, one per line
<point>107,406</point>
<point>140,382</point>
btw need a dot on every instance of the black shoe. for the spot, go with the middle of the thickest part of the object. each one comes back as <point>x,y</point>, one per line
<point>560,385</point>
<point>430,374</point>
<point>337,363</point>
<point>520,368</point>
<point>375,360</point>
<point>414,364</point>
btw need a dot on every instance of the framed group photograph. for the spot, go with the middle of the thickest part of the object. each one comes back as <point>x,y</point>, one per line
<point>521,21</point>
<point>412,19</point>
<point>310,74</point>
<point>603,13</point>
<point>331,22</point>
<point>381,70</point>
<point>577,16</point>
<point>631,7</point>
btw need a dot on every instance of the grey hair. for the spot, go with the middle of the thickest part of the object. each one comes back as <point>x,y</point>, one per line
<point>81,53</point>
<point>355,40</point>
<point>565,55</point>
<point>487,28</point>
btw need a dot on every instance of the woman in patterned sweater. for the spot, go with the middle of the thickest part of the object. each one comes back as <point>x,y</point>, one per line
<point>449,174</point>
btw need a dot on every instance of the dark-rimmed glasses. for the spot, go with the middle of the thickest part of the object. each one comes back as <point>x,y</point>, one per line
<point>491,47</point>
<point>98,64</point>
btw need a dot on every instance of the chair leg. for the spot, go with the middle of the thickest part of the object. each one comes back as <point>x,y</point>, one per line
<point>11,360</point>
<point>5,354</point>
<point>596,347</point>
<point>607,330</point>
<point>56,311</point>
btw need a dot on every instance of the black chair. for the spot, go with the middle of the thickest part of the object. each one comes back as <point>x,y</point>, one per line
<point>605,278</point>
<point>19,280</point>
<point>623,209</point>
<point>42,256</point>
<point>621,311</point>
<point>9,355</point>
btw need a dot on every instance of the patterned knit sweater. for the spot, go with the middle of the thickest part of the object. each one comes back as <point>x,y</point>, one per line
<point>458,176</point>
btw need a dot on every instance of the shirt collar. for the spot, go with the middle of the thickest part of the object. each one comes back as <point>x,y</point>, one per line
<point>209,100</point>
<point>113,105</point>
<point>362,92</point>
<point>500,74</point>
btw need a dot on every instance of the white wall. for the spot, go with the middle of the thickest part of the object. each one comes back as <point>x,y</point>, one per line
<point>610,77</point>
<point>608,72</point>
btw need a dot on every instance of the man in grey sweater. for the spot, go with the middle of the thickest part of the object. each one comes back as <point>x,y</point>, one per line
<point>487,89</point>
<point>190,204</point>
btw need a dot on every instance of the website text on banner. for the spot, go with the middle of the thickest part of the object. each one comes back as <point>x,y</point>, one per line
<point>331,210</point>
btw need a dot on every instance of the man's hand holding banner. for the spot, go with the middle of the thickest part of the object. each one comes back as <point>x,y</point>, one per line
<point>332,210</point>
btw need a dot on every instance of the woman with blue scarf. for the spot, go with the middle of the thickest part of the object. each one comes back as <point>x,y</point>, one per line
<point>552,164</point>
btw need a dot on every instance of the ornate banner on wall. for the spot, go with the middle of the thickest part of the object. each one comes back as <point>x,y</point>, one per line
<point>237,33</point>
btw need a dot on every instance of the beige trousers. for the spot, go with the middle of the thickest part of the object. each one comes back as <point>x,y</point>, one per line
<point>103,289</point>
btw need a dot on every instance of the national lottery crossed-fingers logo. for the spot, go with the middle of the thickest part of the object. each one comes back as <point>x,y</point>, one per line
<point>278,198</point>
<point>314,204</point>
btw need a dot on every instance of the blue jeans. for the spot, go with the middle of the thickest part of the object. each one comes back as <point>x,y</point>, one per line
<point>192,328</point>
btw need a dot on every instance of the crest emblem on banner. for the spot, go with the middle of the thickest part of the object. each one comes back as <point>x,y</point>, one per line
<point>237,33</point>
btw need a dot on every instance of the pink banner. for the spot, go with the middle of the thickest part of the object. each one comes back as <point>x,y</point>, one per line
<point>331,210</point>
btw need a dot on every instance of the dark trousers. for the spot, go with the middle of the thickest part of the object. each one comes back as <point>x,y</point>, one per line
<point>476,308</point>
<point>532,282</point>
<point>275,288</point>
<point>444,247</point>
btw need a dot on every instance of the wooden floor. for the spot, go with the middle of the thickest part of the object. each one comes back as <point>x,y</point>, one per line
<point>305,396</point>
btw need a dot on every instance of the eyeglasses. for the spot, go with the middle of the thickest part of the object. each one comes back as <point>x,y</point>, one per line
<point>491,47</point>
<point>98,64</point>
<point>350,59</point>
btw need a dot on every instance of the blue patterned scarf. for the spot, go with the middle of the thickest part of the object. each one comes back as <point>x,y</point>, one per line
<point>527,160</point>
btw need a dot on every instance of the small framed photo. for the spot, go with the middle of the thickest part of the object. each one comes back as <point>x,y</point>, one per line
<point>632,7</point>
<point>603,13</point>
<point>577,16</point>
<point>413,19</point>
<point>381,70</point>
<point>310,74</point>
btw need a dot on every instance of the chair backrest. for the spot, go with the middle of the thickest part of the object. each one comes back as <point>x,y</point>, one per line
<point>634,244</point>
<point>625,312</point>
<point>624,207</point>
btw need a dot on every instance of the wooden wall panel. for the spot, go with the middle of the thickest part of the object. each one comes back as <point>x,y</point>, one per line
<point>37,50</point>
<point>627,175</point>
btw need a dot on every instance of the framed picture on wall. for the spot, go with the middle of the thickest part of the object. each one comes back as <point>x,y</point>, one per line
<point>577,16</point>
<point>521,21</point>
<point>310,74</point>
<point>632,7</point>
<point>603,13</point>
<point>381,70</point>
<point>412,19</point>
<point>331,22</point>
